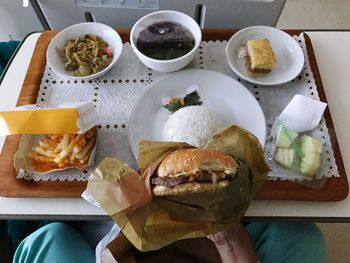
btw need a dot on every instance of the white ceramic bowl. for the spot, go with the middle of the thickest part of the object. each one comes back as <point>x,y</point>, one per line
<point>105,32</point>
<point>166,16</point>
<point>289,55</point>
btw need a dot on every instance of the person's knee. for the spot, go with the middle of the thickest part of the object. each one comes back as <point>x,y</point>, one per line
<point>297,228</point>
<point>298,232</point>
<point>52,231</point>
<point>288,242</point>
<point>54,242</point>
<point>56,227</point>
<point>305,241</point>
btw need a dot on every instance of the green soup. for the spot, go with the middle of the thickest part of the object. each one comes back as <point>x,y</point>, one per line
<point>165,40</point>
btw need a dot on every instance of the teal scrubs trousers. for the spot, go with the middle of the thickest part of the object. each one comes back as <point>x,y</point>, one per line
<point>274,243</point>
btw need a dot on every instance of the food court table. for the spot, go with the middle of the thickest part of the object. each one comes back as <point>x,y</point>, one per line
<point>332,56</point>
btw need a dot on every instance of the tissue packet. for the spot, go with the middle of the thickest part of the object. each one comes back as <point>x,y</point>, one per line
<point>292,155</point>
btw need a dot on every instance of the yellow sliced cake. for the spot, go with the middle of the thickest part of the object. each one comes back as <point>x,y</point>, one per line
<point>260,58</point>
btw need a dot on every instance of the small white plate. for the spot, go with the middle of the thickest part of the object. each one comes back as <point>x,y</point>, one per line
<point>229,99</point>
<point>289,55</point>
<point>103,31</point>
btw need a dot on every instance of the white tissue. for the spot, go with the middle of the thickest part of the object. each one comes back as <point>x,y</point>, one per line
<point>302,114</point>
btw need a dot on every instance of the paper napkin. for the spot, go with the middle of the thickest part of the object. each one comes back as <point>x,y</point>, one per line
<point>302,114</point>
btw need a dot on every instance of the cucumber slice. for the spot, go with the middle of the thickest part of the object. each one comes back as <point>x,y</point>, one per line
<point>284,157</point>
<point>286,138</point>
<point>310,164</point>
<point>310,145</point>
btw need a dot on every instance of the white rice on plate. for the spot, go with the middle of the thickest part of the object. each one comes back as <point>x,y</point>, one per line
<point>194,125</point>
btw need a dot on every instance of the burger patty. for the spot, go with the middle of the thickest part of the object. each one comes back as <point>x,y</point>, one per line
<point>202,176</point>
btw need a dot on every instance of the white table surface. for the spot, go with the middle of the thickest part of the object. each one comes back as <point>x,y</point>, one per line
<point>332,55</point>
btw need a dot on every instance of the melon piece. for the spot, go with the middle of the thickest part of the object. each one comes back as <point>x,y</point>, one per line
<point>284,157</point>
<point>286,138</point>
<point>310,164</point>
<point>310,145</point>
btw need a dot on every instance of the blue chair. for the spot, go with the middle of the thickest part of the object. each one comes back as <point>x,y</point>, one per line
<point>6,51</point>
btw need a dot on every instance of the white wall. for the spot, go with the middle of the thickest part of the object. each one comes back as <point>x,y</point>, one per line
<point>218,13</point>
<point>17,21</point>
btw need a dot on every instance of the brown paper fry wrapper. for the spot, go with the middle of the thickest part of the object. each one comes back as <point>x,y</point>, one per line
<point>151,223</point>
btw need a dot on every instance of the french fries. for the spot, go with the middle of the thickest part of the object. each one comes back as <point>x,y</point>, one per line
<point>57,151</point>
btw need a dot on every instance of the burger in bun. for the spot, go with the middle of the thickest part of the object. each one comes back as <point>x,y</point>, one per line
<point>188,171</point>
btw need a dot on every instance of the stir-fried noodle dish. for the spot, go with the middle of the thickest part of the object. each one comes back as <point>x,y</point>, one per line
<point>85,55</point>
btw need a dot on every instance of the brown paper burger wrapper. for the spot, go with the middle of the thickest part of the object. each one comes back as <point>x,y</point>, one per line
<point>150,223</point>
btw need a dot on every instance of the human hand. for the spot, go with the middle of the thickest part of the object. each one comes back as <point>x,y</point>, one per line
<point>222,237</point>
<point>234,245</point>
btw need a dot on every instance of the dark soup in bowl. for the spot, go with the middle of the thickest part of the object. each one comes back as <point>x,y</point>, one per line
<point>165,40</point>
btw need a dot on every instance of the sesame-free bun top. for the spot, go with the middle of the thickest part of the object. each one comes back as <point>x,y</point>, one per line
<point>191,161</point>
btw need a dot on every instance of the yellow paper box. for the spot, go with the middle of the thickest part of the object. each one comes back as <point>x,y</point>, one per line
<point>48,119</point>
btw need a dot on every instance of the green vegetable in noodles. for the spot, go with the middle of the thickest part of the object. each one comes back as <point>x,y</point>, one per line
<point>85,55</point>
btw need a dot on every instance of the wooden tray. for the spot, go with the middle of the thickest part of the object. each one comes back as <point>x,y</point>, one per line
<point>334,189</point>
